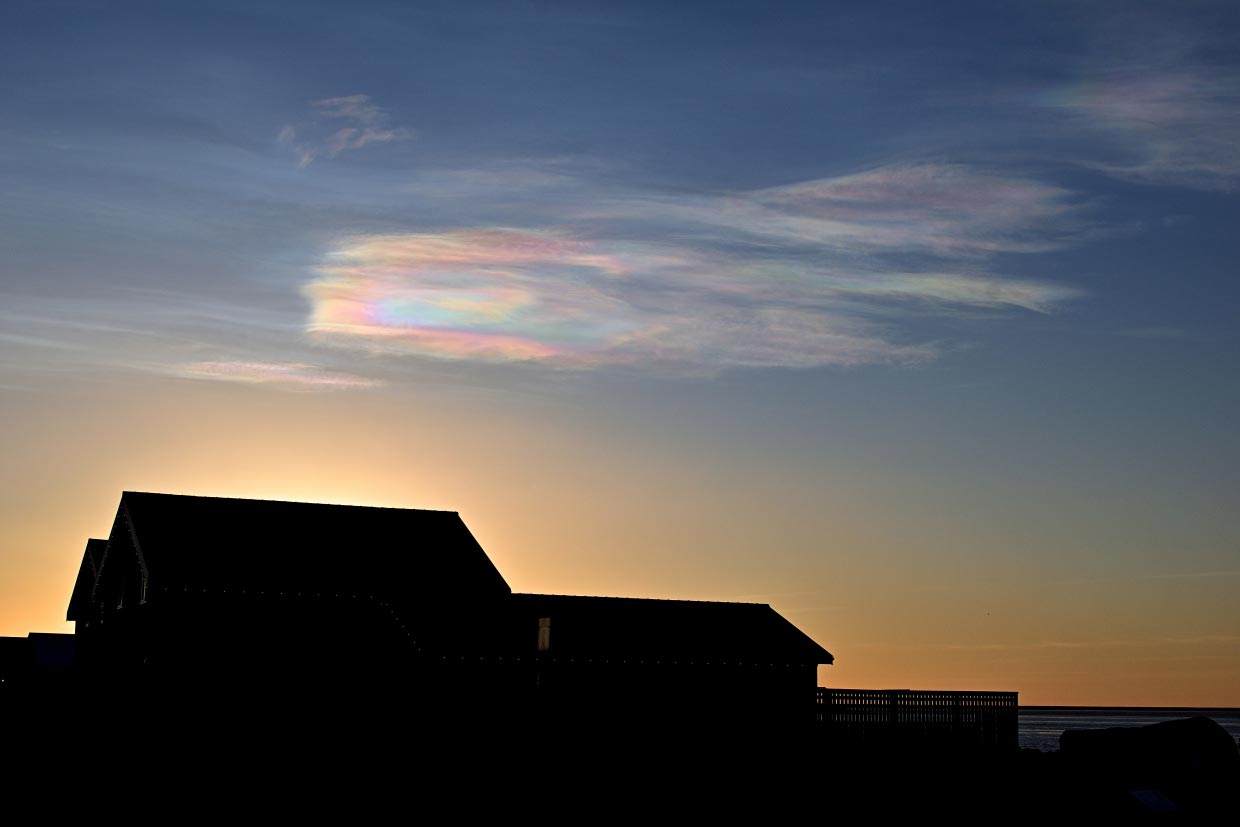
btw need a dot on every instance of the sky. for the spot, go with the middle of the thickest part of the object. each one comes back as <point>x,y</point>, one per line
<point>916,321</point>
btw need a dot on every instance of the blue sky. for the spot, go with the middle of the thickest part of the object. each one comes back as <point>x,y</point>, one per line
<point>751,187</point>
<point>979,256</point>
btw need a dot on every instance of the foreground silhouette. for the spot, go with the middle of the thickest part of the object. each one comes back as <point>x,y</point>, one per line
<point>295,658</point>
<point>249,601</point>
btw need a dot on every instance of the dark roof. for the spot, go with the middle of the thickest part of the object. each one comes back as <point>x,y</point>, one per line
<point>620,627</point>
<point>216,543</point>
<point>85,582</point>
<point>423,565</point>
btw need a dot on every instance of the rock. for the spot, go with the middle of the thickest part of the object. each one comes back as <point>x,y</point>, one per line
<point>1191,761</point>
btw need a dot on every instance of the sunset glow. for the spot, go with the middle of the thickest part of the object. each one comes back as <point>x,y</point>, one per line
<point>918,325</point>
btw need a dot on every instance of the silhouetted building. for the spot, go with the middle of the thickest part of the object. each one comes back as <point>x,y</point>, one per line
<point>39,659</point>
<point>300,605</point>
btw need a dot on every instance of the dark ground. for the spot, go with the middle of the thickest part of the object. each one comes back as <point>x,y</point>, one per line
<point>312,771</point>
<point>66,755</point>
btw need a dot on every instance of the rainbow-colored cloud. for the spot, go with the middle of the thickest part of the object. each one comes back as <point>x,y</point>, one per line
<point>781,277</point>
<point>792,276</point>
<point>492,295</point>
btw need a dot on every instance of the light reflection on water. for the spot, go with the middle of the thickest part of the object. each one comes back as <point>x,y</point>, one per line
<point>1040,728</point>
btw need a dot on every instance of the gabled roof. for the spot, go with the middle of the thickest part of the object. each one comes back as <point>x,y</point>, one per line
<point>215,543</point>
<point>424,566</point>
<point>85,583</point>
<point>628,627</point>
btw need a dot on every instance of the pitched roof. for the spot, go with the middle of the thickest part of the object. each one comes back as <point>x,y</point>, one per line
<point>189,542</point>
<point>424,564</point>
<point>620,627</point>
<point>85,583</point>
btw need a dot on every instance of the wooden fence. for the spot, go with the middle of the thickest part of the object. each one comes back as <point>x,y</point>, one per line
<point>894,717</point>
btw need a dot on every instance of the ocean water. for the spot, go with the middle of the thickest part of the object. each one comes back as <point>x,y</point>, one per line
<point>1040,727</point>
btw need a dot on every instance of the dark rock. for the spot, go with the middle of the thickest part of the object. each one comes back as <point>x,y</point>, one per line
<point>1192,762</point>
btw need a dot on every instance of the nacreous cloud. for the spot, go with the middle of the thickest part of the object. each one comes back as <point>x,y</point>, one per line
<point>492,295</point>
<point>790,277</point>
<point>505,295</point>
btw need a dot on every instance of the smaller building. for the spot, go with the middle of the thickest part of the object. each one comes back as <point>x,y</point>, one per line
<point>38,660</point>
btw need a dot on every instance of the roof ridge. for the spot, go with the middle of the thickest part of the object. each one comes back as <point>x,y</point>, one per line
<point>652,599</point>
<point>127,492</point>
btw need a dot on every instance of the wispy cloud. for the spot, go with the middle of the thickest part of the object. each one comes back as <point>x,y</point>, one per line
<point>802,275</point>
<point>949,209</point>
<point>287,375</point>
<point>340,125</point>
<point>503,295</point>
<point>929,209</point>
<point>1174,123</point>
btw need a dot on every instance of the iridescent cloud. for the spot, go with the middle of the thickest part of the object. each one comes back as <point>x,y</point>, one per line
<point>288,375</point>
<point>503,295</point>
<point>491,295</point>
<point>785,277</point>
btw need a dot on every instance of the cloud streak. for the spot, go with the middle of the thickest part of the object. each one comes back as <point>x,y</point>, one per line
<point>809,274</point>
<point>286,375</point>
<point>946,209</point>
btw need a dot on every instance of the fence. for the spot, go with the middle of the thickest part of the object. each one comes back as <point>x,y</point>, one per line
<point>910,717</point>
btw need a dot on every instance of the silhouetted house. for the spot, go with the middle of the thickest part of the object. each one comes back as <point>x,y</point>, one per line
<point>238,599</point>
<point>742,661</point>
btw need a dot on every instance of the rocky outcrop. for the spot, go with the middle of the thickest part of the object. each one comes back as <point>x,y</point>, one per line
<point>1190,764</point>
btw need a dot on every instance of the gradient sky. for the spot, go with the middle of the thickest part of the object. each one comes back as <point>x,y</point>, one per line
<point>916,321</point>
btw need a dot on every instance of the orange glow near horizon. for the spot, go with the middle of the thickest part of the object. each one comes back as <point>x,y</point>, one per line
<point>561,511</point>
<point>919,328</point>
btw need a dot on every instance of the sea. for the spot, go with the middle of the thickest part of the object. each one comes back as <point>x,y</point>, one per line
<point>1041,726</point>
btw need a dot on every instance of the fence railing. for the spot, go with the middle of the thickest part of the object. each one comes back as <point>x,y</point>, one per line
<point>882,716</point>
